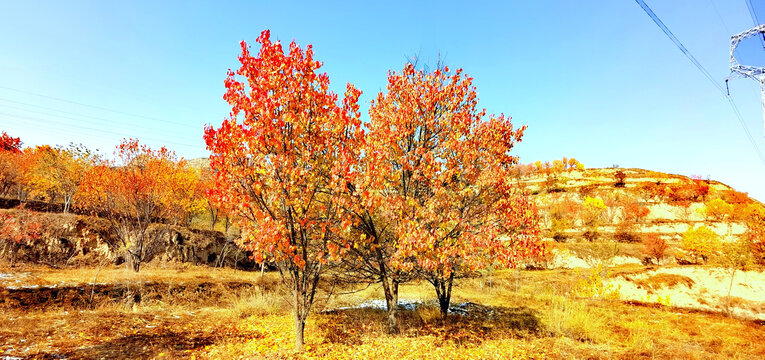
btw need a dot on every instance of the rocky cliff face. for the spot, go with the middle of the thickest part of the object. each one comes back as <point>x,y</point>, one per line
<point>67,239</point>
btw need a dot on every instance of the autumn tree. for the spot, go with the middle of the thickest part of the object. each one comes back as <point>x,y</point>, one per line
<point>634,212</point>
<point>214,209</point>
<point>735,255</point>
<point>620,176</point>
<point>283,160</point>
<point>146,186</point>
<point>701,242</point>
<point>593,214</point>
<point>15,170</point>
<point>9,171</point>
<point>9,143</point>
<point>437,176</point>
<point>654,247</point>
<point>57,172</point>
<point>718,210</point>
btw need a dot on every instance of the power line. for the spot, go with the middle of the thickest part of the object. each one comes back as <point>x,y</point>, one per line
<point>714,7</point>
<point>755,20</point>
<point>679,45</point>
<point>752,13</point>
<point>46,121</point>
<point>704,71</point>
<point>100,121</point>
<point>59,111</point>
<point>93,106</point>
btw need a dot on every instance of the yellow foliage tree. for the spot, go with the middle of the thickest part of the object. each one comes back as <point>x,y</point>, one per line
<point>701,242</point>
<point>718,209</point>
<point>593,215</point>
<point>57,172</point>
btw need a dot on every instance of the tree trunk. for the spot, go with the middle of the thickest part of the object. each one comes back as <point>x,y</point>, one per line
<point>213,217</point>
<point>134,262</point>
<point>390,288</point>
<point>299,321</point>
<point>444,293</point>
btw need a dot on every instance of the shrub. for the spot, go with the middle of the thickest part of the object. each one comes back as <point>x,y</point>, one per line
<point>619,176</point>
<point>562,214</point>
<point>701,242</point>
<point>626,236</point>
<point>18,229</point>
<point>591,235</point>
<point>755,233</point>
<point>595,284</point>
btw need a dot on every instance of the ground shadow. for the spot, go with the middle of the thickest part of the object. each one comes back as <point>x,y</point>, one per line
<point>137,346</point>
<point>467,323</point>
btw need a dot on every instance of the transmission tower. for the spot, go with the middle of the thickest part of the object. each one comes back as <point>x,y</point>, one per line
<point>748,71</point>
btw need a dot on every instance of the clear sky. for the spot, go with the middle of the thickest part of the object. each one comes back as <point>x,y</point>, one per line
<point>594,80</point>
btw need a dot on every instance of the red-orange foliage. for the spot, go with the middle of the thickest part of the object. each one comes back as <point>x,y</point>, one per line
<point>206,191</point>
<point>284,159</point>
<point>148,186</point>
<point>437,177</point>
<point>17,231</point>
<point>654,247</point>
<point>634,212</point>
<point>15,169</point>
<point>8,143</point>
<point>683,191</point>
<point>735,197</point>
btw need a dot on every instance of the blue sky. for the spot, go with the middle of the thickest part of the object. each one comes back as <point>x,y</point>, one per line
<point>596,80</point>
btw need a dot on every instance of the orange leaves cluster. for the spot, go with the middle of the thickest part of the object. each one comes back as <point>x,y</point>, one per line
<point>634,212</point>
<point>286,154</point>
<point>9,143</point>
<point>682,192</point>
<point>147,185</point>
<point>435,172</point>
<point>15,166</point>
<point>19,227</point>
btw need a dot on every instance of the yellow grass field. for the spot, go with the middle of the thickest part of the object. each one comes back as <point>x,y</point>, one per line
<point>203,313</point>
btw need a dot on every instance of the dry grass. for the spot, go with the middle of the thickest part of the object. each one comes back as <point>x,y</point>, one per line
<point>662,280</point>
<point>515,314</point>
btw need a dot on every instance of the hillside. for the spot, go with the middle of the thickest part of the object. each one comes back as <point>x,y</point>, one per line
<point>597,294</point>
<point>672,204</point>
<point>602,219</point>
